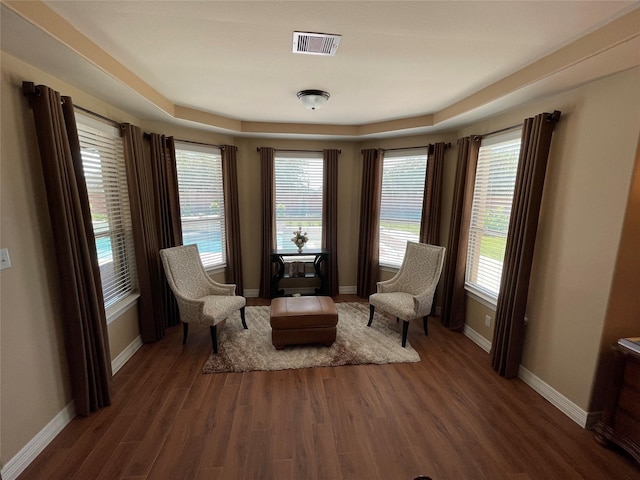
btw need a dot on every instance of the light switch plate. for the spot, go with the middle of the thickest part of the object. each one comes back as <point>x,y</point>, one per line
<point>5,261</point>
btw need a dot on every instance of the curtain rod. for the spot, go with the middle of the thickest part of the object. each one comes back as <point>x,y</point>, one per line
<point>502,130</point>
<point>101,117</point>
<point>200,143</point>
<point>296,150</point>
<point>446,145</point>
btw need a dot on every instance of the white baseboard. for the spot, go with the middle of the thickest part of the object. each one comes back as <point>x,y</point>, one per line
<point>251,292</point>
<point>476,338</point>
<point>37,444</point>
<point>348,290</point>
<point>124,356</point>
<point>562,403</point>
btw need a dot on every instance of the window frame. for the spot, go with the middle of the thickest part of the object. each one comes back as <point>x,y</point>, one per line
<point>395,159</point>
<point>487,291</point>
<point>212,261</point>
<point>285,232</point>
<point>116,300</point>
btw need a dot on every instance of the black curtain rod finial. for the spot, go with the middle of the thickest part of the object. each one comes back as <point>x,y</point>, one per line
<point>29,88</point>
<point>554,117</point>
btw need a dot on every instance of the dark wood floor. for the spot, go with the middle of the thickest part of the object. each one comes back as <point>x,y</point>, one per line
<point>448,416</point>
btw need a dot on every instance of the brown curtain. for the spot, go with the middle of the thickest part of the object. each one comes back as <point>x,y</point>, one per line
<point>509,333</point>
<point>368,244</point>
<point>430,224</point>
<point>267,158</point>
<point>330,217</point>
<point>83,315</point>
<point>146,235</point>
<point>453,307</point>
<point>233,272</point>
<point>165,183</point>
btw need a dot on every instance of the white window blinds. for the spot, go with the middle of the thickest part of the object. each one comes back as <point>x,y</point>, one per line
<point>298,197</point>
<point>202,201</point>
<point>491,211</point>
<point>403,177</point>
<point>105,173</point>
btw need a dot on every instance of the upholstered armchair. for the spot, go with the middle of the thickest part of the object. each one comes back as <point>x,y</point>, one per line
<point>200,299</point>
<point>409,294</point>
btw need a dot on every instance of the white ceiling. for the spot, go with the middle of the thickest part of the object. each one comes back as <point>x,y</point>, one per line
<point>397,59</point>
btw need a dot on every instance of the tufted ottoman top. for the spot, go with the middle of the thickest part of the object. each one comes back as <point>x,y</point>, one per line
<point>303,312</point>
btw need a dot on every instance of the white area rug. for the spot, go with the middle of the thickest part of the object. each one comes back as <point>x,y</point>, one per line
<point>241,350</point>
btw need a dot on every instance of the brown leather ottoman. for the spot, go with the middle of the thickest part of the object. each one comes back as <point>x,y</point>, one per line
<point>303,320</point>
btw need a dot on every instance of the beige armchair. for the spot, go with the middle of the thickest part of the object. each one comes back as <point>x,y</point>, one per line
<point>409,294</point>
<point>200,299</point>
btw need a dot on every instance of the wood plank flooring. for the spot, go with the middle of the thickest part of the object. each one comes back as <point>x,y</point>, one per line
<point>448,416</point>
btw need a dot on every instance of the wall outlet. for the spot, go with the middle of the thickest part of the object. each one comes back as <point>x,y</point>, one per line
<point>5,261</point>
<point>487,320</point>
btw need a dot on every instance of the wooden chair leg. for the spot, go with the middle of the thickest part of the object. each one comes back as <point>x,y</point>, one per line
<point>185,331</point>
<point>424,322</point>
<point>214,337</point>
<point>405,329</point>
<point>244,323</point>
<point>371,309</point>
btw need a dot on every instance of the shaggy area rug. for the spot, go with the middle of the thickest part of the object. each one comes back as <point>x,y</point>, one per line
<point>242,350</point>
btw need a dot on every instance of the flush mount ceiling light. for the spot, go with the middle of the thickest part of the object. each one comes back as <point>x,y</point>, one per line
<point>313,99</point>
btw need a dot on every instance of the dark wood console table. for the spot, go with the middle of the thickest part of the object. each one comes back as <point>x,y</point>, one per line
<point>620,422</point>
<point>320,263</point>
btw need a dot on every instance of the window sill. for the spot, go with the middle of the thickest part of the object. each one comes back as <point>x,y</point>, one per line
<point>128,302</point>
<point>481,297</point>
<point>389,268</point>
<point>215,269</point>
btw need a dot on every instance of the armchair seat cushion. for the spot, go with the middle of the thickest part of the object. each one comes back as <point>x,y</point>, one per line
<point>398,304</point>
<point>217,308</point>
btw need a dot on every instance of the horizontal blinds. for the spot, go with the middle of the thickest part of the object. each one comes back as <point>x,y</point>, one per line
<point>298,197</point>
<point>202,201</point>
<point>106,178</point>
<point>491,211</point>
<point>403,177</point>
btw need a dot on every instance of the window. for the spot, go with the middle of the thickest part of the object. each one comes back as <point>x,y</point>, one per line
<point>105,173</point>
<point>299,196</point>
<point>490,213</point>
<point>202,201</point>
<point>403,176</point>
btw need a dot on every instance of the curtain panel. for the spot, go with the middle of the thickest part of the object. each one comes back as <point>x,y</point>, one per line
<point>83,315</point>
<point>454,301</point>
<point>368,242</point>
<point>509,333</point>
<point>165,183</point>
<point>330,216</point>
<point>267,159</point>
<point>431,205</point>
<point>146,236</point>
<point>233,273</point>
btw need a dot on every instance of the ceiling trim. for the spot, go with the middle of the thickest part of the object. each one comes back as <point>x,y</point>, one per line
<point>616,32</point>
<point>611,35</point>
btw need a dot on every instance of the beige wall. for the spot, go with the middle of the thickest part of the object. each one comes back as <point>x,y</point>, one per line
<point>587,185</point>
<point>585,198</point>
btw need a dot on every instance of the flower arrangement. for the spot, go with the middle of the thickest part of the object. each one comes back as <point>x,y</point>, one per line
<point>299,238</point>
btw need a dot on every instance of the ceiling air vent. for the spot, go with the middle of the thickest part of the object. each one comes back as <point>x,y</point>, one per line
<point>315,43</point>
